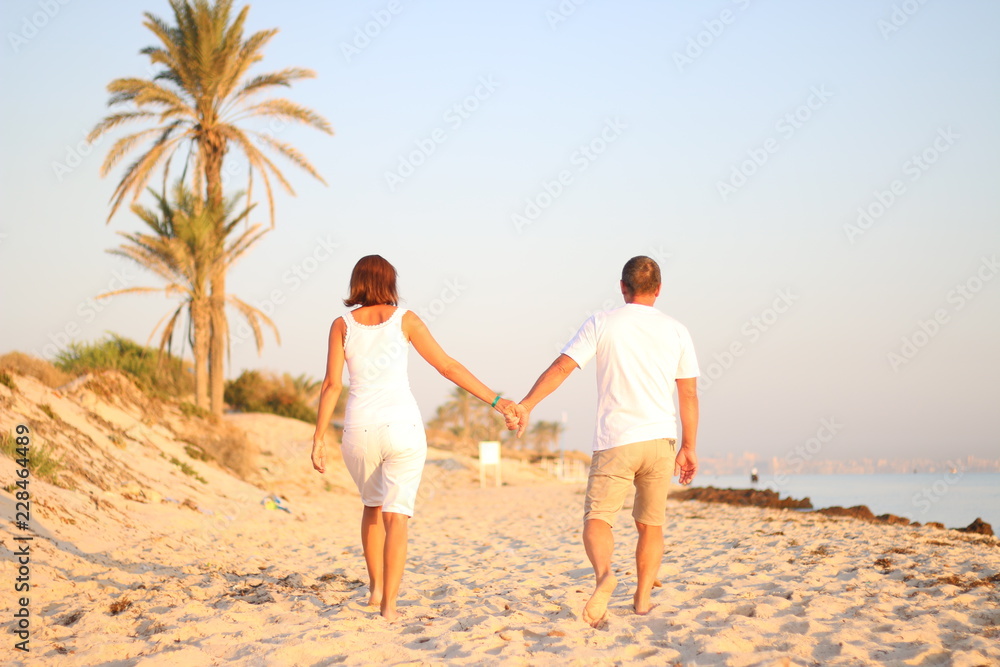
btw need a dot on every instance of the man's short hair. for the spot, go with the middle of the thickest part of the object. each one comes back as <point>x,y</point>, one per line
<point>641,275</point>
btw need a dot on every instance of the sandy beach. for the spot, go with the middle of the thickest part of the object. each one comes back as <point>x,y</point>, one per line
<point>162,568</point>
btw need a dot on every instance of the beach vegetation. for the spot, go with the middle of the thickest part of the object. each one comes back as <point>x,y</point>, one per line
<point>284,395</point>
<point>468,418</point>
<point>160,375</point>
<point>7,380</point>
<point>191,410</point>
<point>187,469</point>
<point>120,605</point>
<point>200,106</point>
<point>47,410</point>
<point>41,370</point>
<point>42,462</point>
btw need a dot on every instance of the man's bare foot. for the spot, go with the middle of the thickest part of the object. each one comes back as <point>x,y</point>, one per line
<point>597,606</point>
<point>642,603</point>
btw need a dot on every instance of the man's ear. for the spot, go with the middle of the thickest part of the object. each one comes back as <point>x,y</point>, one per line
<point>624,289</point>
<point>658,288</point>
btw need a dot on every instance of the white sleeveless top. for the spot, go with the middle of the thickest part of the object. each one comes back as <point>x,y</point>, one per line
<point>379,389</point>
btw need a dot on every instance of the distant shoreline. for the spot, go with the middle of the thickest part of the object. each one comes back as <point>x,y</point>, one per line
<point>772,499</point>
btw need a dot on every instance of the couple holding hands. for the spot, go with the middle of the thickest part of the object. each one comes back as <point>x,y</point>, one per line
<point>643,357</point>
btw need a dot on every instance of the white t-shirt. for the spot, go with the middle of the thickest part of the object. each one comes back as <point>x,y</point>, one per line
<point>641,352</point>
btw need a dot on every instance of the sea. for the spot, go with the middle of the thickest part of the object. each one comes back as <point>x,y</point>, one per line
<point>954,499</point>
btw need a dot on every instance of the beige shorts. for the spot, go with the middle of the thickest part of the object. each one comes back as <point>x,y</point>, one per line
<point>648,465</point>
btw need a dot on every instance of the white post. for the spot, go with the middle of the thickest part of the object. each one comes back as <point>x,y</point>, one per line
<point>489,454</point>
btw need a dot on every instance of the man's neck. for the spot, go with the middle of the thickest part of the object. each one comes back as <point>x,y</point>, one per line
<point>642,300</point>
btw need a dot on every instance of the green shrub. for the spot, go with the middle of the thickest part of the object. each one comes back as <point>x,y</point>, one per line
<point>192,410</point>
<point>195,452</point>
<point>286,396</point>
<point>41,462</point>
<point>158,374</point>
<point>187,469</point>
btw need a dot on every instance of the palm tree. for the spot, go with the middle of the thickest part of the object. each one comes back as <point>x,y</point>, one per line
<point>545,434</point>
<point>467,417</point>
<point>199,100</point>
<point>183,249</point>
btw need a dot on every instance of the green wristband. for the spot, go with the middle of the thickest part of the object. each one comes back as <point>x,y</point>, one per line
<point>495,401</point>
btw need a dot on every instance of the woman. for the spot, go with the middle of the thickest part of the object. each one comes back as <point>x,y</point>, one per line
<point>384,445</point>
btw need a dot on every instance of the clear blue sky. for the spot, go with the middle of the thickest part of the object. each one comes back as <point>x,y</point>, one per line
<point>818,107</point>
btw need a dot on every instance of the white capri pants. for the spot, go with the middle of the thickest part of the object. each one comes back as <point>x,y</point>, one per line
<point>386,461</point>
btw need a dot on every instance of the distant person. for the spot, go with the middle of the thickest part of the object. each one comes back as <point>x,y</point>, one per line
<point>384,445</point>
<point>641,355</point>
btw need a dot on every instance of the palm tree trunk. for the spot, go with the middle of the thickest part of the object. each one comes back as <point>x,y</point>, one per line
<point>214,152</point>
<point>200,318</point>
<point>217,342</point>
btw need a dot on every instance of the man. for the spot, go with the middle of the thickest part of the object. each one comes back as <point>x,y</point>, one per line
<point>641,355</point>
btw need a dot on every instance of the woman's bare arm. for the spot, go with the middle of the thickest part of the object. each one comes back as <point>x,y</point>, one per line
<point>434,354</point>
<point>333,384</point>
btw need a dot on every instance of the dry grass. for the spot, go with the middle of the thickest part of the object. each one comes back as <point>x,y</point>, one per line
<point>41,370</point>
<point>226,445</point>
<point>120,605</point>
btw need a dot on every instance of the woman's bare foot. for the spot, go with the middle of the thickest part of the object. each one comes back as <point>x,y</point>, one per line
<point>389,612</point>
<point>375,599</point>
<point>597,606</point>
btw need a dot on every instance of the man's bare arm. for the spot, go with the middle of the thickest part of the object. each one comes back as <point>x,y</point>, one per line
<point>687,460</point>
<point>546,383</point>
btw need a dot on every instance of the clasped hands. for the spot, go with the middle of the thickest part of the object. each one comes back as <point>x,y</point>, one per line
<point>514,414</point>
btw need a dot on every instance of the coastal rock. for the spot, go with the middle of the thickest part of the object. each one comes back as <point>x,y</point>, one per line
<point>857,512</point>
<point>892,518</point>
<point>754,497</point>
<point>935,524</point>
<point>979,527</point>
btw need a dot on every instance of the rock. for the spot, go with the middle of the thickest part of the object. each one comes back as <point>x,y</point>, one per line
<point>753,497</point>
<point>857,512</point>
<point>892,518</point>
<point>934,524</point>
<point>190,504</point>
<point>979,527</point>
